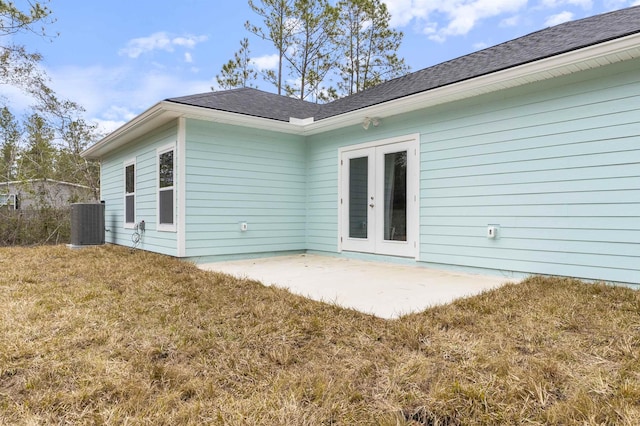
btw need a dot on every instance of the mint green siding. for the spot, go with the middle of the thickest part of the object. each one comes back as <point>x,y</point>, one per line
<point>112,192</point>
<point>556,165</point>
<point>237,175</point>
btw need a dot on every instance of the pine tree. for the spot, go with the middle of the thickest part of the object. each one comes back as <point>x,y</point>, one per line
<point>69,164</point>
<point>9,143</point>
<point>278,29</point>
<point>368,45</point>
<point>312,53</point>
<point>351,44</point>
<point>238,71</point>
<point>37,160</point>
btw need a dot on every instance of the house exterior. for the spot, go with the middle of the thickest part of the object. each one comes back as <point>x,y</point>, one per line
<point>37,193</point>
<point>523,158</point>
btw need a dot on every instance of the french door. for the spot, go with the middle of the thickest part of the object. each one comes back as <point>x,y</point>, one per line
<point>378,198</point>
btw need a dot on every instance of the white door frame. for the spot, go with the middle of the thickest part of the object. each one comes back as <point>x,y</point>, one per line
<point>375,243</point>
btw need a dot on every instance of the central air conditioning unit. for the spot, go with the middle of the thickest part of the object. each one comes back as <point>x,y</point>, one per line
<point>87,224</point>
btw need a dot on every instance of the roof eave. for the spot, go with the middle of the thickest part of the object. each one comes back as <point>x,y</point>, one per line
<point>127,132</point>
<point>167,111</point>
<point>590,57</point>
<point>617,50</point>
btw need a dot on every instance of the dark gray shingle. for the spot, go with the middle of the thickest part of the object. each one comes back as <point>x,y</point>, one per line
<point>542,44</point>
<point>252,102</point>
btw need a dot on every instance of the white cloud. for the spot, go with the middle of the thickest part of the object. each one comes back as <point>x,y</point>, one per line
<point>619,4</point>
<point>17,100</point>
<point>513,21</point>
<point>115,112</point>
<point>404,11</point>
<point>159,41</point>
<point>107,126</point>
<point>444,18</point>
<point>553,4</point>
<point>558,19</point>
<point>188,58</point>
<point>188,42</point>
<point>138,46</point>
<point>113,96</point>
<point>266,62</point>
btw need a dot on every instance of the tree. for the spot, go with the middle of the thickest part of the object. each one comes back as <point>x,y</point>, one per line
<point>70,166</point>
<point>9,143</point>
<point>312,53</point>
<point>38,158</point>
<point>368,45</point>
<point>18,67</point>
<point>278,29</point>
<point>54,132</point>
<point>238,71</point>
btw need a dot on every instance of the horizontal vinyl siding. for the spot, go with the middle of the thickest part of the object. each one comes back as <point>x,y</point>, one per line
<point>239,175</point>
<point>558,169</point>
<point>143,151</point>
<point>555,164</point>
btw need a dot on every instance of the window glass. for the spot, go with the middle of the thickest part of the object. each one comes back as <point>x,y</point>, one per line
<point>129,194</point>
<point>130,186</point>
<point>165,184</point>
<point>166,169</point>
<point>166,206</point>
<point>130,214</point>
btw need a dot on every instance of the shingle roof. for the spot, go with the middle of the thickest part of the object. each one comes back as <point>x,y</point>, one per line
<point>252,102</point>
<point>542,44</point>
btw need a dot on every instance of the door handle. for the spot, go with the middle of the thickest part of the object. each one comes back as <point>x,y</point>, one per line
<point>371,205</point>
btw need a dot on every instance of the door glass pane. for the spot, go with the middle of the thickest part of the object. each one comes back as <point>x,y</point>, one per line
<point>358,193</point>
<point>395,196</point>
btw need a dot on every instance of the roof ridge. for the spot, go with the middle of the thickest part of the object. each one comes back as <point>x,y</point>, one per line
<point>537,45</point>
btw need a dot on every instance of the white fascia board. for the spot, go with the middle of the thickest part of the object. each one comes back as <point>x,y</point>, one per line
<point>590,57</point>
<point>617,50</point>
<point>301,121</point>
<point>128,131</point>
<point>232,118</point>
<point>165,111</point>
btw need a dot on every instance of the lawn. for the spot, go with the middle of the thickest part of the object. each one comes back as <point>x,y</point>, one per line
<point>110,336</point>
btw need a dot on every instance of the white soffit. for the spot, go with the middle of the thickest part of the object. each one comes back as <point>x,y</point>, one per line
<point>607,53</point>
<point>595,56</point>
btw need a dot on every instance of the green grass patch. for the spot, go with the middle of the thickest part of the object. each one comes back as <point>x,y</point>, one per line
<point>109,336</point>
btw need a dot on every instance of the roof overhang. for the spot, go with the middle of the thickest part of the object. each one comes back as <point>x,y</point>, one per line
<point>618,50</point>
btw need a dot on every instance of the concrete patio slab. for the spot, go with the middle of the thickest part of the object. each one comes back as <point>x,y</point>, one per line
<point>385,290</point>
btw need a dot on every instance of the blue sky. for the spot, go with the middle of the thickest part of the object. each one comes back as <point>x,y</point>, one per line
<point>117,58</point>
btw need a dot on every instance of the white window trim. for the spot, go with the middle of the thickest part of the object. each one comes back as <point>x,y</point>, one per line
<point>413,187</point>
<point>165,227</point>
<point>131,162</point>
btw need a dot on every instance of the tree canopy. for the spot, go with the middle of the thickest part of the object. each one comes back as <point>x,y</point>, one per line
<point>325,50</point>
<point>368,45</point>
<point>47,141</point>
<point>238,71</point>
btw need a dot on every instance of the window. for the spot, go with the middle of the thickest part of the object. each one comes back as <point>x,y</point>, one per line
<point>165,190</point>
<point>130,194</point>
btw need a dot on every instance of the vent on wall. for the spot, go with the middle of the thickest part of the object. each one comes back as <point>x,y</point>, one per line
<point>87,224</point>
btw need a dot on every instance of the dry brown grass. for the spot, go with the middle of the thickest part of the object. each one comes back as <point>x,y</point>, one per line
<point>106,336</point>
